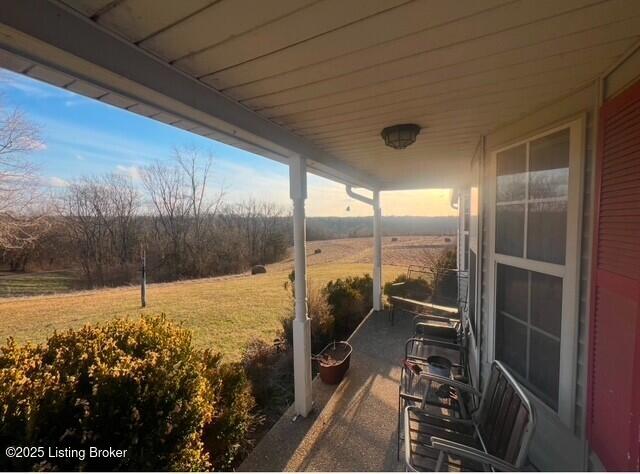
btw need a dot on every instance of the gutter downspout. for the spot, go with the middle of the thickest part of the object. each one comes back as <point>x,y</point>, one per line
<point>377,242</point>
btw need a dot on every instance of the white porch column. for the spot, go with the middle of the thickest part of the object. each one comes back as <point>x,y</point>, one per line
<point>301,323</point>
<point>377,252</point>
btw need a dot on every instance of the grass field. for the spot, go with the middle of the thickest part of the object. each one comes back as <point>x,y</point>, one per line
<point>224,313</point>
<point>28,284</point>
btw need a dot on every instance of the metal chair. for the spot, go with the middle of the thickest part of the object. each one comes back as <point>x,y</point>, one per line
<point>496,437</point>
<point>428,394</point>
<point>440,336</point>
<point>419,391</point>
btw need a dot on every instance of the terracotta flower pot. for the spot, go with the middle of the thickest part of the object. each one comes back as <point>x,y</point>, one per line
<point>334,362</point>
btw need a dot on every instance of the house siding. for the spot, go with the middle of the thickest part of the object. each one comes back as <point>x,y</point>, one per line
<point>554,439</point>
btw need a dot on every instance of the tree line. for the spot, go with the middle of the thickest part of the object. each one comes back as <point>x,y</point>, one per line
<point>100,225</point>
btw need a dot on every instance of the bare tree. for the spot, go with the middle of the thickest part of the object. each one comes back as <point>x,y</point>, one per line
<point>204,205</point>
<point>166,190</point>
<point>185,208</point>
<point>124,200</point>
<point>21,220</point>
<point>101,214</point>
<point>263,227</point>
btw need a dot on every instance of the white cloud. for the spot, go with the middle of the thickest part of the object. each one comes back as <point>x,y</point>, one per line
<point>132,172</point>
<point>75,102</point>
<point>31,144</point>
<point>10,80</point>
<point>55,182</point>
<point>79,157</point>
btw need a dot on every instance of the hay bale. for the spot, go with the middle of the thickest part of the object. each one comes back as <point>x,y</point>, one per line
<point>394,239</point>
<point>317,251</point>
<point>258,269</point>
<point>447,239</point>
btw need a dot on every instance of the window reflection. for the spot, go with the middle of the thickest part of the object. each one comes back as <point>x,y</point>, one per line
<point>547,231</point>
<point>549,166</point>
<point>546,303</point>
<point>510,229</point>
<point>532,194</point>
<point>528,327</point>
<point>512,174</point>
<point>544,370</point>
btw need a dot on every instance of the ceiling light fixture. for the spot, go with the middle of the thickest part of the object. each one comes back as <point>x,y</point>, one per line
<point>400,136</point>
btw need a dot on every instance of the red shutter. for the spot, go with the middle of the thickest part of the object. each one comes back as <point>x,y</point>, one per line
<point>614,379</point>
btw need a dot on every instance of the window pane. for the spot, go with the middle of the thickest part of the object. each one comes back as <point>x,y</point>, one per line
<point>544,370</point>
<point>549,166</point>
<point>511,174</point>
<point>510,229</point>
<point>513,291</point>
<point>547,231</point>
<point>546,302</point>
<point>511,343</point>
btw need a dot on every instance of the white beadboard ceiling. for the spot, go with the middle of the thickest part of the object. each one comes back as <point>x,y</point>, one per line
<point>335,72</point>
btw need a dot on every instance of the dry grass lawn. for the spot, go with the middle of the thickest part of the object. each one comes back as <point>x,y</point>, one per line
<point>224,313</point>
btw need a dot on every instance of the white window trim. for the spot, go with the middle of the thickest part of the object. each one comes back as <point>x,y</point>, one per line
<point>569,272</point>
<point>476,181</point>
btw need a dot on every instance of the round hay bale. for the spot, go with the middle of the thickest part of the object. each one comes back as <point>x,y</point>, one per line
<point>447,239</point>
<point>317,251</point>
<point>394,239</point>
<point>258,269</point>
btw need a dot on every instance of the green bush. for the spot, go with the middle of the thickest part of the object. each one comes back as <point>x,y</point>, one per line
<point>335,311</point>
<point>322,320</point>
<point>445,282</point>
<point>350,300</point>
<point>128,384</point>
<point>417,288</point>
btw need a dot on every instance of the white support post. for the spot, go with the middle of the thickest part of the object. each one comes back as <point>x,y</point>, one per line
<point>301,323</point>
<point>377,252</point>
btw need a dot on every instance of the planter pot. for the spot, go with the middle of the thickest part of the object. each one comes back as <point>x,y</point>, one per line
<point>334,362</point>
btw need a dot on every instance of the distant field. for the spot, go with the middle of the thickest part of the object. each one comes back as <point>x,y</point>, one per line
<point>41,283</point>
<point>224,313</point>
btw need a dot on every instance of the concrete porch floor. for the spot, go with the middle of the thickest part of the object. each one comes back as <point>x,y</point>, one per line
<point>353,425</point>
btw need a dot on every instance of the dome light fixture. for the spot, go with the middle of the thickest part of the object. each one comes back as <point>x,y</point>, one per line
<point>400,136</point>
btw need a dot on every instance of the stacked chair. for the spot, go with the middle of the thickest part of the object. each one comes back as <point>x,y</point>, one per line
<point>443,421</point>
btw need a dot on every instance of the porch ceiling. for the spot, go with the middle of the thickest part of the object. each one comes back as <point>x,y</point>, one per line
<point>331,74</point>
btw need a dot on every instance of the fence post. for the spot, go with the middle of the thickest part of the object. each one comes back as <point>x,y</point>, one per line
<point>143,276</point>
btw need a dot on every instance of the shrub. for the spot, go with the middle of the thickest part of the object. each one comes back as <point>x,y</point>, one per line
<point>410,288</point>
<point>350,300</point>
<point>322,320</point>
<point>334,310</point>
<point>227,436</point>
<point>128,384</point>
<point>445,281</point>
<point>269,368</point>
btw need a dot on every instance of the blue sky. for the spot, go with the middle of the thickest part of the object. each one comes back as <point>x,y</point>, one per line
<point>85,137</point>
